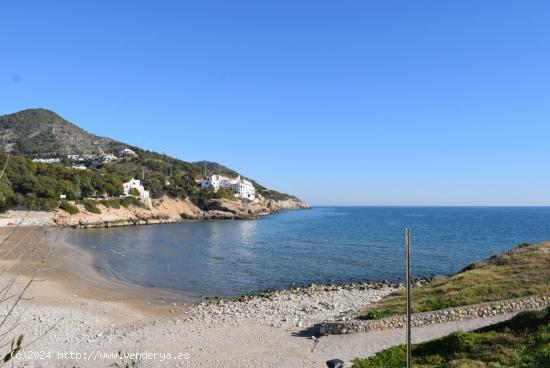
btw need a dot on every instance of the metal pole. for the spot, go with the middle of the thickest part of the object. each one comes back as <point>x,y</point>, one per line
<point>409,296</point>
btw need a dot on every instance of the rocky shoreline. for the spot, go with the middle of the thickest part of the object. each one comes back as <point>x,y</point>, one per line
<point>164,210</point>
<point>298,306</point>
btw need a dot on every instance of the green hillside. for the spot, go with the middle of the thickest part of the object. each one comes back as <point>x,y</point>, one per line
<point>40,134</point>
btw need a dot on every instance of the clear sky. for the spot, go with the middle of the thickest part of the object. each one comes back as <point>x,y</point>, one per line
<point>338,102</point>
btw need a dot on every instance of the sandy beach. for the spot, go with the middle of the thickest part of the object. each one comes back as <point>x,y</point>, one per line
<point>96,316</point>
<point>74,315</point>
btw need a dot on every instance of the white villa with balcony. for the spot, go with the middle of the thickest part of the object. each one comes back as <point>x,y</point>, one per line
<point>135,184</point>
<point>242,188</point>
<point>143,194</point>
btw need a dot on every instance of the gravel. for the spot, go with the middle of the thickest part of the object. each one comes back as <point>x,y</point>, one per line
<point>298,307</point>
<point>249,331</point>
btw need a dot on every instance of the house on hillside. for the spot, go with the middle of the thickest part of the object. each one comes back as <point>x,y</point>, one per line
<point>242,188</point>
<point>143,194</point>
<point>135,184</point>
<point>215,181</point>
<point>127,153</point>
<point>108,158</point>
<point>47,160</point>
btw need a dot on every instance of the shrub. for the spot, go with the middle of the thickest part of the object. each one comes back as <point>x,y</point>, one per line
<point>91,206</point>
<point>134,192</point>
<point>523,245</point>
<point>69,208</point>
<point>225,193</point>
<point>48,204</point>
<point>203,197</point>
<point>126,201</point>
<point>374,314</point>
<point>111,203</point>
<point>131,201</point>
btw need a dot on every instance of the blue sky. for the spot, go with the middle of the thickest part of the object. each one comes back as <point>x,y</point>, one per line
<point>338,102</point>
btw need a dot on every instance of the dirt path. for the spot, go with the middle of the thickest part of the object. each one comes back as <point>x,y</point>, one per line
<point>349,347</point>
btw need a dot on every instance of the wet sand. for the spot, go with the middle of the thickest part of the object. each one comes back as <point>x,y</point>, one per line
<point>69,276</point>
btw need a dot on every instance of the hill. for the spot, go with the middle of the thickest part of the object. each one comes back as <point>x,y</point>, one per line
<point>43,134</point>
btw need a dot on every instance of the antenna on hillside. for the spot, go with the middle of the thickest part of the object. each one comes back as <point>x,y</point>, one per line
<point>142,174</point>
<point>409,297</point>
<point>219,170</point>
<point>170,170</point>
<point>205,169</point>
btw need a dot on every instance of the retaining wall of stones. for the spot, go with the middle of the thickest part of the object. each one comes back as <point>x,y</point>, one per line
<point>439,316</point>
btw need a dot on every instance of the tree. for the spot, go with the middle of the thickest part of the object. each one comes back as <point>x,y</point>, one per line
<point>7,195</point>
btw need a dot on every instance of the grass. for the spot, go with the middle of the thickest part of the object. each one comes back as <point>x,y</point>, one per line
<point>69,208</point>
<point>522,342</point>
<point>519,272</point>
<point>91,206</point>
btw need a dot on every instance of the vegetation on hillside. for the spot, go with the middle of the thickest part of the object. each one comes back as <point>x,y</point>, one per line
<point>37,186</point>
<point>40,133</point>
<point>30,185</point>
<point>203,198</point>
<point>43,133</point>
<point>519,272</point>
<point>522,342</point>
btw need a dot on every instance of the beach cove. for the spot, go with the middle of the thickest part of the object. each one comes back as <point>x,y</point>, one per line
<point>94,309</point>
<point>92,312</point>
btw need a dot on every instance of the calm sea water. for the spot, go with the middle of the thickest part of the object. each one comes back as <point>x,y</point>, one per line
<point>325,244</point>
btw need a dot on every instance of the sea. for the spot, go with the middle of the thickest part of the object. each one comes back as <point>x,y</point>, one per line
<point>224,258</point>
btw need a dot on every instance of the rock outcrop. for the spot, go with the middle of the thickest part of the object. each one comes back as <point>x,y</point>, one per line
<point>169,210</point>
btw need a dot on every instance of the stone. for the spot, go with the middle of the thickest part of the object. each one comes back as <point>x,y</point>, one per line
<point>335,363</point>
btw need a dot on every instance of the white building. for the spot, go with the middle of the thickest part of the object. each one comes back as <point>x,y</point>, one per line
<point>242,188</point>
<point>215,181</point>
<point>47,160</point>
<point>127,153</point>
<point>108,158</point>
<point>135,184</point>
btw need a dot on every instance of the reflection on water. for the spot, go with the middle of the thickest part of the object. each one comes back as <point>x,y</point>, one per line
<point>330,244</point>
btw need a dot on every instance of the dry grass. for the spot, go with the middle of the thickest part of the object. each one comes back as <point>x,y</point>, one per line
<point>520,272</point>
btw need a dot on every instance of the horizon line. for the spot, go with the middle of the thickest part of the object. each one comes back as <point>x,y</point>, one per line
<point>435,205</point>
